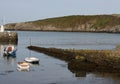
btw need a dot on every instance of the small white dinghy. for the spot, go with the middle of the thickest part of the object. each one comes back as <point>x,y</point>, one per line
<point>23,65</point>
<point>32,60</point>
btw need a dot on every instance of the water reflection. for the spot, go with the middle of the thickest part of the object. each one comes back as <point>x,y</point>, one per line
<point>34,65</point>
<point>6,72</point>
<point>9,59</point>
<point>81,74</point>
<point>23,70</point>
<point>100,75</point>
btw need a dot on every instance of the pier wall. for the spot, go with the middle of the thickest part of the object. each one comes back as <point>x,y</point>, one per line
<point>8,37</point>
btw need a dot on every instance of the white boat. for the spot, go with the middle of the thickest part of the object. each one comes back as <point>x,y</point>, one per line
<point>23,65</point>
<point>32,60</point>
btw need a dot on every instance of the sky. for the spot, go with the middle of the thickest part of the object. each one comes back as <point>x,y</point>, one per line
<point>13,11</point>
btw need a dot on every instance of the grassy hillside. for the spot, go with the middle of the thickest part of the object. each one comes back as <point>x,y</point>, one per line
<point>76,20</point>
<point>72,23</point>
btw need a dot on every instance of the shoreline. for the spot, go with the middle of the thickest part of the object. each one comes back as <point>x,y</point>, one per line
<point>65,31</point>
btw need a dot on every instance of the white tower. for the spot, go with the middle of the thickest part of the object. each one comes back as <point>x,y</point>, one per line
<point>1,28</point>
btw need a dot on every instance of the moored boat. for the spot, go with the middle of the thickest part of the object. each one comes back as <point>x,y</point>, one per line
<point>23,65</point>
<point>32,60</point>
<point>10,51</point>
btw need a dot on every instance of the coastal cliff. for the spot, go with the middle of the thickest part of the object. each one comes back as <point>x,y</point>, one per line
<point>78,23</point>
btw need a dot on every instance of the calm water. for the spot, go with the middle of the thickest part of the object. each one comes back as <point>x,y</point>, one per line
<point>51,70</point>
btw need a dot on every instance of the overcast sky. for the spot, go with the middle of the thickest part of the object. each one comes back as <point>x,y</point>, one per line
<point>29,10</point>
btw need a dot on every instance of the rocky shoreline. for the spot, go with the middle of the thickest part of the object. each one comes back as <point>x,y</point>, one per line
<point>85,60</point>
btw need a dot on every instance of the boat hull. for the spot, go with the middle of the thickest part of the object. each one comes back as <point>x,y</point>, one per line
<point>32,60</point>
<point>23,65</point>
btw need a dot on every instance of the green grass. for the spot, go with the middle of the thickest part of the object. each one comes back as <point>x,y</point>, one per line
<point>97,21</point>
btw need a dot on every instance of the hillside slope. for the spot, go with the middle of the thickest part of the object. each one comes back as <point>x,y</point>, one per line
<point>89,23</point>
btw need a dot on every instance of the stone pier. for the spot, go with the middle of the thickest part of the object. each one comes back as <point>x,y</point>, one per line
<point>8,37</point>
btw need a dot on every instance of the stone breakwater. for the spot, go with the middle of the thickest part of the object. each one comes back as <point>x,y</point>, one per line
<point>85,60</point>
<point>8,37</point>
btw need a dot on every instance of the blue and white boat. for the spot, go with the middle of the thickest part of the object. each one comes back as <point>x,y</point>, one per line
<point>10,51</point>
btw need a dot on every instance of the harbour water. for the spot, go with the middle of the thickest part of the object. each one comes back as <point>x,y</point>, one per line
<point>52,70</point>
